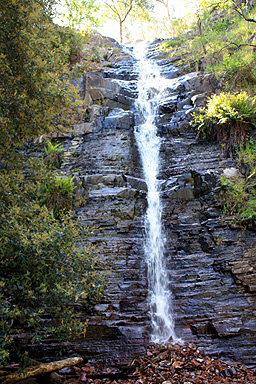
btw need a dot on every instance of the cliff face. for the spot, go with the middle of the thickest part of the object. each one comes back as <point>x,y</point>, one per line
<point>211,266</point>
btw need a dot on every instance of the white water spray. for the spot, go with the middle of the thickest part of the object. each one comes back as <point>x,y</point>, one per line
<point>150,88</point>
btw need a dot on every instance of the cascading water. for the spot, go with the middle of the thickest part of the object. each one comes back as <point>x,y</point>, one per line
<point>150,88</point>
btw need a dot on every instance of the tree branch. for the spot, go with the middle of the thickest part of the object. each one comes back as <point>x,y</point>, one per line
<point>128,11</point>
<point>113,10</point>
<point>239,10</point>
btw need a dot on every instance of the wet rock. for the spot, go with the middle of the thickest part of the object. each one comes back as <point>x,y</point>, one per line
<point>199,101</point>
<point>203,83</point>
<point>168,105</point>
<point>136,183</point>
<point>190,185</point>
<point>120,119</point>
<point>82,129</point>
<point>211,266</point>
<point>229,327</point>
<point>231,172</point>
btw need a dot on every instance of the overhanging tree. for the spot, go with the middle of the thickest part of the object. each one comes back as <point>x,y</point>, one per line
<point>35,92</point>
<point>43,265</point>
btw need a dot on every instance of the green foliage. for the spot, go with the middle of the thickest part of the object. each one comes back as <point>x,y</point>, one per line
<point>247,157</point>
<point>239,193</point>
<point>35,93</point>
<point>81,14</point>
<point>172,43</point>
<point>72,40</point>
<point>53,155</point>
<point>52,149</point>
<point>120,10</point>
<point>227,118</point>
<point>231,54</point>
<point>57,194</point>
<point>221,40</point>
<point>43,265</point>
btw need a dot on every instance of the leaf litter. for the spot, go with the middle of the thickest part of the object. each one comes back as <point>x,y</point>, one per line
<point>172,364</point>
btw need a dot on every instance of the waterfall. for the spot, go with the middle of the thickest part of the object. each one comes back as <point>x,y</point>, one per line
<point>150,88</point>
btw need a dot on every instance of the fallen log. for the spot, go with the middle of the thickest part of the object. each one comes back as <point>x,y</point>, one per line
<point>40,370</point>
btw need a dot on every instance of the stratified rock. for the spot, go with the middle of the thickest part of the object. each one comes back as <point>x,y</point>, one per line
<point>82,129</point>
<point>211,264</point>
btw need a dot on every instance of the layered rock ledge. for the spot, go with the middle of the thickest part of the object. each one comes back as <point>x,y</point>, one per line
<point>211,265</point>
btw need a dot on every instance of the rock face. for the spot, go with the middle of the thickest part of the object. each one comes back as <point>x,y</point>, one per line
<point>211,266</point>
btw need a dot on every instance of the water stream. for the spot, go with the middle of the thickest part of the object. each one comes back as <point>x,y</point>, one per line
<point>150,88</point>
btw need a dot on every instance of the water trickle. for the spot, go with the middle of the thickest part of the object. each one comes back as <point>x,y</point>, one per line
<point>150,89</point>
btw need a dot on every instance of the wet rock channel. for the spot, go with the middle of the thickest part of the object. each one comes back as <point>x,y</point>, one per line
<point>211,266</point>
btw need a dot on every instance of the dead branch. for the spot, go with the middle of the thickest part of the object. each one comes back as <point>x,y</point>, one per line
<point>39,370</point>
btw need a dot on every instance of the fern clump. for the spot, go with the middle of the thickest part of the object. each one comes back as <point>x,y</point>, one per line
<point>226,119</point>
<point>53,155</point>
<point>57,193</point>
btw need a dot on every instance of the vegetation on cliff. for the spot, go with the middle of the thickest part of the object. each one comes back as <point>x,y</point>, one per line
<point>227,119</point>
<point>44,268</point>
<point>222,40</point>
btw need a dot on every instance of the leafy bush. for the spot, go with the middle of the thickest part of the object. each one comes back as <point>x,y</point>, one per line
<point>72,40</point>
<point>43,265</point>
<point>219,39</point>
<point>238,69</point>
<point>36,95</point>
<point>172,43</point>
<point>239,193</point>
<point>239,201</point>
<point>226,119</point>
<point>247,158</point>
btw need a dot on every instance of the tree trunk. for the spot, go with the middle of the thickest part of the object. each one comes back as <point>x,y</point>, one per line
<point>121,31</point>
<point>39,370</point>
<point>199,24</point>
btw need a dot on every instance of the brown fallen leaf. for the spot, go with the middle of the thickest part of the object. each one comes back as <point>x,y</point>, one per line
<point>176,365</point>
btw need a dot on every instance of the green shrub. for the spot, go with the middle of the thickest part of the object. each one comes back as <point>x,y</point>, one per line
<point>172,43</point>
<point>222,41</point>
<point>226,119</point>
<point>36,95</point>
<point>72,40</point>
<point>239,193</point>
<point>44,268</point>
<point>247,157</point>
<point>239,201</point>
<point>238,70</point>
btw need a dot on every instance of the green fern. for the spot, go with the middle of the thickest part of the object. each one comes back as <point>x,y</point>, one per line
<point>226,119</point>
<point>52,148</point>
<point>53,155</point>
<point>57,194</point>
